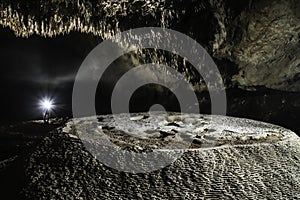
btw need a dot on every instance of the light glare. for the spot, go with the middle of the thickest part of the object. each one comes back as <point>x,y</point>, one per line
<point>47,104</point>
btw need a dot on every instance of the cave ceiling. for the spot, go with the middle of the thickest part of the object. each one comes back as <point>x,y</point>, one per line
<point>259,41</point>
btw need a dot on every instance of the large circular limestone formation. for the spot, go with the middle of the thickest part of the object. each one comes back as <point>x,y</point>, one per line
<point>234,159</point>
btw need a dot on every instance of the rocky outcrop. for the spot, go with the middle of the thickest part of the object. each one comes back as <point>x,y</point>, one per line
<point>263,40</point>
<point>244,159</point>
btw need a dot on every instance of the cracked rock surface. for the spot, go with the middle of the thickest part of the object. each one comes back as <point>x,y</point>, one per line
<point>238,159</point>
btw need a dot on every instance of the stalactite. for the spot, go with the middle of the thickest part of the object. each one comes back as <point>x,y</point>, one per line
<point>100,18</point>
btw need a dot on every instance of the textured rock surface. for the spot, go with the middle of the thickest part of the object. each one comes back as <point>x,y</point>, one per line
<point>264,42</point>
<point>267,166</point>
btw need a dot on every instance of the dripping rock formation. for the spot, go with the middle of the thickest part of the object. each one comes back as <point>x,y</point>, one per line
<point>256,43</point>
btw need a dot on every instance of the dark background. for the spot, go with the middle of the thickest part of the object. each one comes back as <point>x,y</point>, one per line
<point>37,67</point>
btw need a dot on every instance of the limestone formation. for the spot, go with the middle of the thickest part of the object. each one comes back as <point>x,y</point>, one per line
<point>238,159</point>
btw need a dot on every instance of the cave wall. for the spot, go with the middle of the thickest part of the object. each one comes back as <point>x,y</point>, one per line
<point>263,40</point>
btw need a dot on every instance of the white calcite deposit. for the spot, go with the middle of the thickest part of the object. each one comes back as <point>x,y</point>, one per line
<point>228,158</point>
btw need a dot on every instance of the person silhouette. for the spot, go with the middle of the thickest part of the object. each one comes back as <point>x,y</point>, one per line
<point>47,105</point>
<point>46,116</point>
